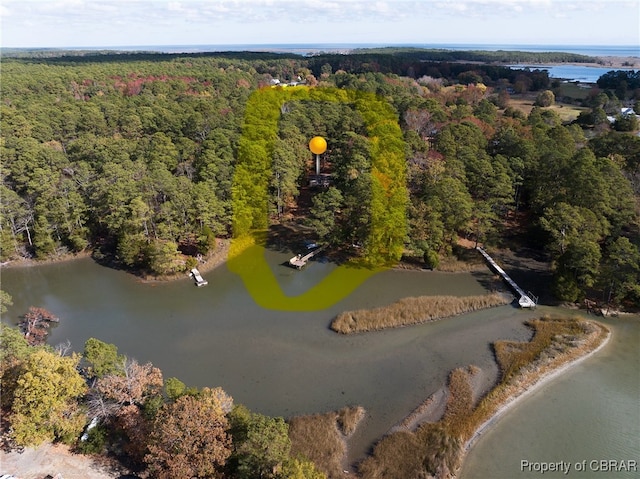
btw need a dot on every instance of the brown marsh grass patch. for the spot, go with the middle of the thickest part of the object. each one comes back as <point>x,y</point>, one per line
<point>321,438</point>
<point>413,310</point>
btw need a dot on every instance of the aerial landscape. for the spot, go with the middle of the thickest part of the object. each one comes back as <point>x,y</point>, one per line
<point>331,239</point>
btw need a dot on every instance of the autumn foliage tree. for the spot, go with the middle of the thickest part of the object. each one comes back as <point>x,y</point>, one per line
<point>128,398</point>
<point>190,437</point>
<point>137,382</point>
<point>45,400</point>
<point>35,325</point>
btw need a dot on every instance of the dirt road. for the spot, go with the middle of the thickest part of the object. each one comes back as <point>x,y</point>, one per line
<point>59,462</point>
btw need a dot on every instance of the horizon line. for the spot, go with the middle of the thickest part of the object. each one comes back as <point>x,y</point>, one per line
<point>337,44</point>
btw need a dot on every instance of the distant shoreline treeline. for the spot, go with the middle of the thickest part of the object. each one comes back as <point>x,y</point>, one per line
<point>397,53</point>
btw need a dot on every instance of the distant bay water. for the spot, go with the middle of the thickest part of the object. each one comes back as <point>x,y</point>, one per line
<point>571,73</point>
<point>579,73</point>
<point>313,48</point>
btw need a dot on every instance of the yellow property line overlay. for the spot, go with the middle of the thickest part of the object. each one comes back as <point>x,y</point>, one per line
<point>253,171</point>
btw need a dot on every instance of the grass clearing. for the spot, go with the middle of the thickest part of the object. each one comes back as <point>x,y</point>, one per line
<point>573,90</point>
<point>437,449</point>
<point>565,111</point>
<point>413,310</point>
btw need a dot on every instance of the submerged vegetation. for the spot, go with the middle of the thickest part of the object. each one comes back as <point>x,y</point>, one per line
<point>414,310</point>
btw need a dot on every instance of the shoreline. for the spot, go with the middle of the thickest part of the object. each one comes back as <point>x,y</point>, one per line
<point>30,262</point>
<point>614,63</point>
<point>463,414</point>
<point>523,391</point>
<point>211,262</point>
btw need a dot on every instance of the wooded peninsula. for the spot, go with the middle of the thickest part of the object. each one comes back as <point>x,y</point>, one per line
<point>132,157</point>
<point>148,161</point>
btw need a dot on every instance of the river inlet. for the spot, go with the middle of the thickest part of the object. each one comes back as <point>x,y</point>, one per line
<point>276,363</point>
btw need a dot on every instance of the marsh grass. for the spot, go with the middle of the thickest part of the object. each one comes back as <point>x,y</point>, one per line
<point>349,418</point>
<point>413,310</point>
<point>550,335</point>
<point>437,449</point>
<point>460,400</point>
<point>321,438</point>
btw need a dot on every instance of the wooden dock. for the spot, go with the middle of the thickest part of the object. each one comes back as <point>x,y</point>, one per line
<point>525,300</point>
<point>299,261</point>
<point>200,281</point>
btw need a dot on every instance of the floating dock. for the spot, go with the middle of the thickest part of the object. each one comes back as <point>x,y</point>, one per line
<point>525,300</point>
<point>299,261</point>
<point>200,281</point>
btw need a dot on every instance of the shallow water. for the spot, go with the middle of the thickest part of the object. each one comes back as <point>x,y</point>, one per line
<point>590,413</point>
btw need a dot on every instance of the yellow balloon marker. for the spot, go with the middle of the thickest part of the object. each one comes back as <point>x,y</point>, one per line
<point>318,146</point>
<point>250,198</point>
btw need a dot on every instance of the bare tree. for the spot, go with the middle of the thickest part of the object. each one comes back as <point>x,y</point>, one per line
<point>63,349</point>
<point>137,382</point>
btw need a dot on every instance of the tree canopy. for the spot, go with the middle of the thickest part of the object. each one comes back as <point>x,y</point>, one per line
<point>145,159</point>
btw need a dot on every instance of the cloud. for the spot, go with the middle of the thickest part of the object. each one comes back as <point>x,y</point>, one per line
<point>89,22</point>
<point>300,11</point>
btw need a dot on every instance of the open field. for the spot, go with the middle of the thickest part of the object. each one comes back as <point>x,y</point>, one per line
<point>525,103</point>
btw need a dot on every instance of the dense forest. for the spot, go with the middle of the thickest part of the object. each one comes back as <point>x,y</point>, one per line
<point>133,156</point>
<point>146,160</point>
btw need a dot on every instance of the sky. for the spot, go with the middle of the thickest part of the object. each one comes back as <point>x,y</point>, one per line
<point>113,23</point>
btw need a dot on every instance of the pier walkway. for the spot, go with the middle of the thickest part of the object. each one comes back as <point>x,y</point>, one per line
<point>525,300</point>
<point>299,261</point>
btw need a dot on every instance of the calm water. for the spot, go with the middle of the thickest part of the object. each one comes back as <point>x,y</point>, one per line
<point>579,73</point>
<point>590,413</point>
<point>277,363</point>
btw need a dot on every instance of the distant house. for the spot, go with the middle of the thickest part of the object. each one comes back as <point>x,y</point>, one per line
<point>624,112</point>
<point>275,82</point>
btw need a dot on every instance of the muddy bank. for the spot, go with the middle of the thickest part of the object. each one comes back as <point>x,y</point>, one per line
<point>30,262</point>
